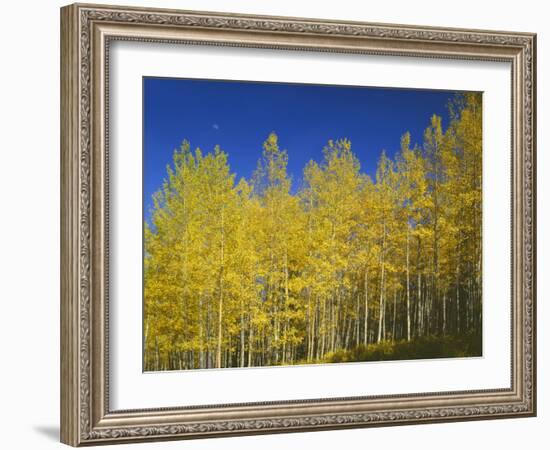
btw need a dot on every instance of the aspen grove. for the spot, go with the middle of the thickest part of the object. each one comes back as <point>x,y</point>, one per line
<point>243,273</point>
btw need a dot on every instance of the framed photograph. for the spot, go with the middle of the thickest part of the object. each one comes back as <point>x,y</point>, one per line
<point>275,224</point>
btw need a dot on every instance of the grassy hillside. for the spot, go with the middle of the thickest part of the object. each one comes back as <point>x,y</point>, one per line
<point>420,348</point>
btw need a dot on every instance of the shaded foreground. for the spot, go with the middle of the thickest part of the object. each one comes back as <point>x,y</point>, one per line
<point>428,347</point>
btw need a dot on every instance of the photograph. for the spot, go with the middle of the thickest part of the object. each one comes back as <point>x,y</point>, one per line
<point>289,224</point>
<point>292,222</point>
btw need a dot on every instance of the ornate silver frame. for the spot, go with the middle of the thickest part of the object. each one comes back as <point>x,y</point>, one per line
<point>86,31</point>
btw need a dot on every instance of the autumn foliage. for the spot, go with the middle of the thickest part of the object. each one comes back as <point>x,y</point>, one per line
<point>241,273</point>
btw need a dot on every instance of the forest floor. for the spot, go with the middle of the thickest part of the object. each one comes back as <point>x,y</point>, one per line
<point>429,347</point>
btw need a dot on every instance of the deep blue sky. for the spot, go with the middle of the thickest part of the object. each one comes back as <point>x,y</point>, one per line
<point>240,115</point>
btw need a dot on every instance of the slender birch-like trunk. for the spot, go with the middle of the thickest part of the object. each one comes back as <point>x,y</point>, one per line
<point>382,303</point>
<point>366,286</point>
<point>220,300</point>
<point>408,289</point>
